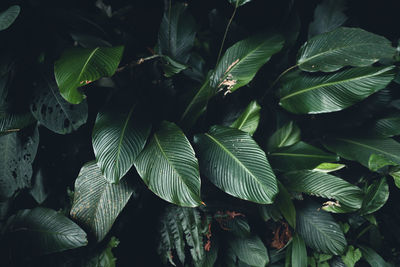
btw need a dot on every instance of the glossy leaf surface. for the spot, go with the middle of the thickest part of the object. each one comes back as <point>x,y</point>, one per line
<point>249,119</point>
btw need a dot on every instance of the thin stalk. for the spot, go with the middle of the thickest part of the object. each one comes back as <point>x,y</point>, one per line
<point>137,62</point>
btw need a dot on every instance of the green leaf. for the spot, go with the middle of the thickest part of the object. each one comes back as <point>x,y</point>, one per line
<point>241,61</point>
<point>42,231</point>
<point>8,16</point>
<point>373,258</point>
<point>361,149</point>
<point>237,3</point>
<point>377,162</point>
<point>288,135</point>
<point>326,186</point>
<point>396,177</point>
<point>177,33</point>
<point>234,162</point>
<point>169,168</point>
<point>15,122</point>
<point>54,112</point>
<point>183,229</point>
<point>98,203</point>
<point>376,196</point>
<point>104,258</point>
<point>79,66</point>
<point>250,250</point>
<point>310,94</point>
<point>343,47</point>
<point>319,230</point>
<point>299,157</point>
<point>118,138</point>
<point>351,257</point>
<point>328,16</point>
<point>285,205</point>
<point>387,127</point>
<point>249,119</point>
<point>38,191</point>
<point>329,167</point>
<point>18,150</point>
<point>299,252</point>
<point>172,67</point>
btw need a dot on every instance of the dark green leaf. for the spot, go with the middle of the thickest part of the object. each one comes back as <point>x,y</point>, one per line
<point>343,47</point>
<point>249,119</point>
<point>285,205</point>
<point>98,203</point>
<point>234,162</point>
<point>319,230</point>
<point>387,127</point>
<point>288,135</point>
<point>376,196</point>
<point>169,168</point>
<point>15,122</point>
<point>299,252</point>
<point>373,258</point>
<point>8,17</point>
<point>299,157</point>
<point>38,191</point>
<point>250,250</point>
<point>43,231</point>
<point>172,67</point>
<point>79,66</point>
<point>310,93</point>
<point>118,138</point>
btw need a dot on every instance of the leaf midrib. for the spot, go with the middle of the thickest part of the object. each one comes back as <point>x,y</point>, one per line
<point>86,63</point>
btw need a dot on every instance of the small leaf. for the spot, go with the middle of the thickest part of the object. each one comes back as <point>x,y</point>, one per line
<point>377,162</point>
<point>8,16</point>
<point>311,94</point>
<point>329,167</point>
<point>43,231</point>
<point>172,67</point>
<point>299,252</point>
<point>343,47</point>
<point>250,250</point>
<point>396,177</point>
<point>234,162</point>
<point>288,135</point>
<point>98,203</point>
<point>285,205</point>
<point>319,230</point>
<point>79,66</point>
<point>299,157</point>
<point>237,3</point>
<point>249,119</point>
<point>376,196</point>
<point>169,168</point>
<point>118,138</point>
<point>352,256</point>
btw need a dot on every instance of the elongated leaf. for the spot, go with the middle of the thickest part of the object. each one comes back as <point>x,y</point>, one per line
<point>118,137</point>
<point>376,162</point>
<point>396,177</point>
<point>98,203</point>
<point>54,112</point>
<point>325,185</point>
<point>361,149</point>
<point>376,196</point>
<point>15,122</point>
<point>285,205</point>
<point>373,258</point>
<point>43,231</point>
<point>319,230</point>
<point>329,167</point>
<point>234,162</point>
<point>8,17</point>
<point>343,47</point>
<point>169,167</point>
<point>323,93</point>
<point>80,66</point>
<point>241,61</point>
<point>299,252</point>
<point>300,156</point>
<point>38,190</point>
<point>327,16</point>
<point>288,135</point>
<point>249,119</point>
<point>238,2</point>
<point>18,150</point>
<point>387,127</point>
<point>250,250</point>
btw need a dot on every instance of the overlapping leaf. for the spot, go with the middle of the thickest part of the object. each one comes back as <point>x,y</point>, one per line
<point>234,162</point>
<point>388,126</point>
<point>307,93</point>
<point>343,47</point>
<point>8,16</point>
<point>285,205</point>
<point>118,137</point>
<point>249,119</point>
<point>80,66</point>
<point>299,252</point>
<point>287,135</point>
<point>249,250</point>
<point>169,167</point>
<point>376,196</point>
<point>97,203</point>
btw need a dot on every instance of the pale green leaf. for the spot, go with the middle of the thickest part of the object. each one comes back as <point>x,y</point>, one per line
<point>351,257</point>
<point>249,119</point>
<point>377,162</point>
<point>329,167</point>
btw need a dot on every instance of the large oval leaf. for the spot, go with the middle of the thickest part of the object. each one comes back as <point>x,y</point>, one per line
<point>8,16</point>
<point>249,119</point>
<point>361,149</point>
<point>319,230</point>
<point>249,250</point>
<point>42,231</point>
<point>118,137</point>
<point>241,61</point>
<point>54,112</point>
<point>325,185</point>
<point>169,167</point>
<point>234,162</point>
<point>307,93</point>
<point>80,66</point>
<point>97,203</point>
<point>343,47</point>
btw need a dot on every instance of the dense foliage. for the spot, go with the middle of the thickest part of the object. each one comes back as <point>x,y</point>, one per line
<point>199,133</point>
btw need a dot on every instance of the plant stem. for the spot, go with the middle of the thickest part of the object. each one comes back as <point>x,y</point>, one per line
<point>226,32</point>
<point>11,130</point>
<point>137,62</point>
